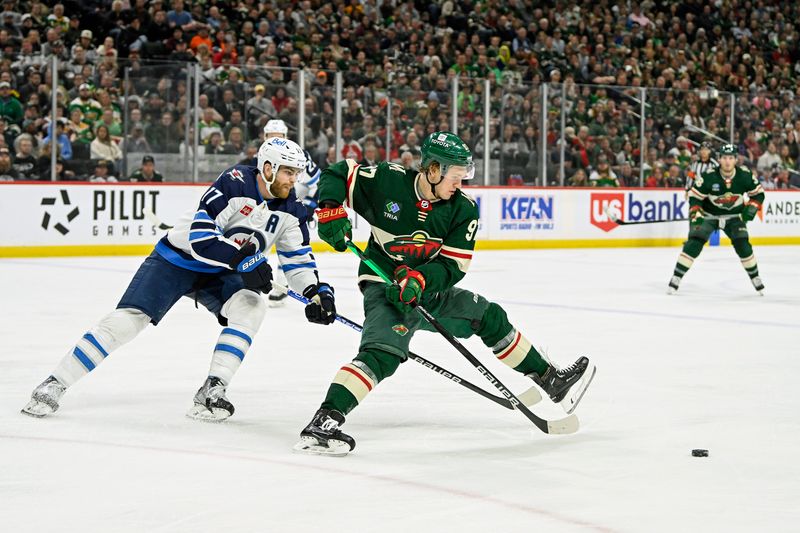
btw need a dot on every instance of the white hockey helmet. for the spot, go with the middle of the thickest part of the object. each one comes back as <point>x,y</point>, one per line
<point>275,126</point>
<point>280,152</point>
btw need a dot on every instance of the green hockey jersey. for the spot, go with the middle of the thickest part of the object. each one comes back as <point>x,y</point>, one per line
<point>90,109</point>
<point>434,237</point>
<point>718,196</point>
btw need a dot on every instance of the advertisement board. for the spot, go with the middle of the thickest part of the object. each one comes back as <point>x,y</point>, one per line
<point>51,219</point>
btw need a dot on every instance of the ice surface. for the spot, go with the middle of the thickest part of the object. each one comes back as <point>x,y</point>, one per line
<point>713,367</point>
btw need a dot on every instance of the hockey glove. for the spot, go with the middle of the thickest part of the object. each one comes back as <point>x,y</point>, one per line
<point>750,211</point>
<point>322,308</point>
<point>253,267</point>
<point>406,294</point>
<point>696,216</point>
<point>333,226</point>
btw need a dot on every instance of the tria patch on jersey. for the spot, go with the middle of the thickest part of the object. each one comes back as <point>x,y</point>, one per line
<point>419,246</point>
<point>392,209</point>
<point>246,210</point>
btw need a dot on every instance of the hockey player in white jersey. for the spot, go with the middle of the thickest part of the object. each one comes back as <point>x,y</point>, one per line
<point>306,190</point>
<point>214,255</point>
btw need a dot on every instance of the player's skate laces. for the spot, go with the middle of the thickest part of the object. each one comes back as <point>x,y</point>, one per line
<point>322,435</point>
<point>45,398</point>
<point>210,403</point>
<point>566,386</point>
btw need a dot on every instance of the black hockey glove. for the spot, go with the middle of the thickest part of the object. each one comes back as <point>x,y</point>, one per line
<point>253,267</point>
<point>322,308</point>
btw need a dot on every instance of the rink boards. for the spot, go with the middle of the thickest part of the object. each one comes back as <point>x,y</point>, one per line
<point>58,219</point>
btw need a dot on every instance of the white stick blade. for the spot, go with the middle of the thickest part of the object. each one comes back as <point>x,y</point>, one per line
<point>563,426</point>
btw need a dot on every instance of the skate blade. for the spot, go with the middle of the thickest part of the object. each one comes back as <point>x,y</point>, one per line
<point>37,409</point>
<point>276,303</point>
<point>200,412</point>
<point>672,290</point>
<point>570,403</point>
<point>311,446</point>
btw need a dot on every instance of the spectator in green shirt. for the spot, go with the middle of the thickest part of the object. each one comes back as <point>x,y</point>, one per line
<point>114,126</point>
<point>10,108</point>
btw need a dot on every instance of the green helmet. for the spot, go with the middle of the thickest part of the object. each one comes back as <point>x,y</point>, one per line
<point>447,149</point>
<point>728,149</point>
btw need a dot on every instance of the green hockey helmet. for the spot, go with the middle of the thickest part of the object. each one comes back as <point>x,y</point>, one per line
<point>728,149</point>
<point>448,150</point>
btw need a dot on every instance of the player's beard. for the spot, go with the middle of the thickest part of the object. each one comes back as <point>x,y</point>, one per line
<point>280,191</point>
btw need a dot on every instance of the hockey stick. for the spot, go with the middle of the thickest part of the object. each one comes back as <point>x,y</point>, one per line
<point>626,223</point>
<point>530,397</point>
<point>154,220</point>
<point>614,218</point>
<point>617,221</point>
<point>565,425</point>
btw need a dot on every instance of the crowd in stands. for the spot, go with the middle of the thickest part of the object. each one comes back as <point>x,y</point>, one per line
<point>126,70</point>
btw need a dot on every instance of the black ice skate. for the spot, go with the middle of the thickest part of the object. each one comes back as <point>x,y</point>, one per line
<point>45,398</point>
<point>323,437</point>
<point>758,285</point>
<point>210,403</point>
<point>566,386</point>
<point>674,283</point>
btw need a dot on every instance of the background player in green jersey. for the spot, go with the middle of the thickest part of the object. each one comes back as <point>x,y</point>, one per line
<point>725,198</point>
<point>423,231</point>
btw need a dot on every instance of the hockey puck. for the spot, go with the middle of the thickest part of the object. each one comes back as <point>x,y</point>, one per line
<point>699,453</point>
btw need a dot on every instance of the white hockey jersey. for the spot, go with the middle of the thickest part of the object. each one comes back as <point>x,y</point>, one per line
<point>233,212</point>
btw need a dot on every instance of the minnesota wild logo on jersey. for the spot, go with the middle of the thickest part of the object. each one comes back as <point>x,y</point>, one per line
<point>415,248</point>
<point>728,200</point>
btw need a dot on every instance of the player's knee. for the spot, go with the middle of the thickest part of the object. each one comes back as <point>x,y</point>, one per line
<point>120,326</point>
<point>493,326</point>
<point>380,363</point>
<point>246,308</point>
<point>742,247</point>
<point>694,246</point>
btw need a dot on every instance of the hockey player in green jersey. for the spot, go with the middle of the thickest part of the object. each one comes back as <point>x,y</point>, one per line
<point>727,198</point>
<point>423,231</point>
